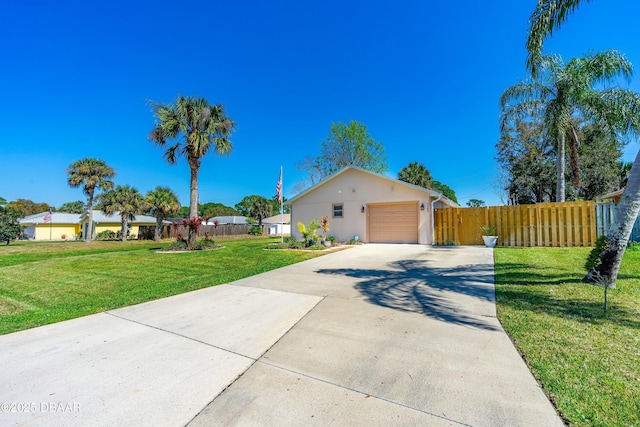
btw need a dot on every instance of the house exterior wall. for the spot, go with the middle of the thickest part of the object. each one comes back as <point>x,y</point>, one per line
<point>55,231</point>
<point>116,227</point>
<point>354,189</point>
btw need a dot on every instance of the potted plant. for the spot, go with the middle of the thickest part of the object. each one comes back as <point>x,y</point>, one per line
<point>489,235</point>
<point>324,225</point>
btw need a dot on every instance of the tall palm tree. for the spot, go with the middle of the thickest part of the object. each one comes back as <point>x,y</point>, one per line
<point>125,200</point>
<point>547,17</point>
<point>196,127</point>
<point>562,91</point>
<point>92,174</point>
<point>163,202</point>
<point>417,174</point>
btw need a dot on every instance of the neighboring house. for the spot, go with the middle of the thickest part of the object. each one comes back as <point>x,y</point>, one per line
<point>374,207</point>
<point>61,226</point>
<point>222,220</point>
<point>278,224</point>
<point>606,213</point>
<point>614,196</point>
<point>112,222</point>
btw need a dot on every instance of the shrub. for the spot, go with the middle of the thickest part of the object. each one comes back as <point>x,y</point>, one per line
<point>316,247</point>
<point>177,246</point>
<point>355,240</point>
<point>297,245</point>
<point>332,239</point>
<point>255,231</point>
<point>309,232</point>
<point>593,260</point>
<point>106,235</point>
<point>199,245</point>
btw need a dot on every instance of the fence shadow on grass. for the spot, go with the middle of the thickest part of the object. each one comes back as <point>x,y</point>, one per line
<point>413,286</point>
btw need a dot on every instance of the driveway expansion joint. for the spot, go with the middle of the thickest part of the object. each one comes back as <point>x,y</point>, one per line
<point>442,417</point>
<point>181,336</point>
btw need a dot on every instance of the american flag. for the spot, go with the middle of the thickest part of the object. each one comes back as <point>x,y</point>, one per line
<point>279,188</point>
<point>47,217</point>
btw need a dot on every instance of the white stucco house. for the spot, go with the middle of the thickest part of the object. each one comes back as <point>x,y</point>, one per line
<point>278,224</point>
<point>374,207</point>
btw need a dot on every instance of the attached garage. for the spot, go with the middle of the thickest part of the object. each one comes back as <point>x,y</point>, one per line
<point>393,223</point>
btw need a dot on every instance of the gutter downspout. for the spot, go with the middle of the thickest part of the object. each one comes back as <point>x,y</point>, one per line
<point>433,225</point>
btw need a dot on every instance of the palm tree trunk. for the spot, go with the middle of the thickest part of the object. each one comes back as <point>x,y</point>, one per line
<point>193,200</point>
<point>157,234</point>
<point>560,184</point>
<point>619,232</point>
<point>123,229</point>
<point>87,238</point>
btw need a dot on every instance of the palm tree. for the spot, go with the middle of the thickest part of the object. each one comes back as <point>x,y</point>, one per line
<point>417,174</point>
<point>564,91</point>
<point>163,202</point>
<point>127,201</point>
<point>196,127</point>
<point>547,17</point>
<point>92,174</point>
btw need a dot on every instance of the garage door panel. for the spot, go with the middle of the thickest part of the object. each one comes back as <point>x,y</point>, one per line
<point>393,223</point>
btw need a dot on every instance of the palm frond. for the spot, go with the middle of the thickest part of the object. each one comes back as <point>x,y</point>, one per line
<point>545,19</point>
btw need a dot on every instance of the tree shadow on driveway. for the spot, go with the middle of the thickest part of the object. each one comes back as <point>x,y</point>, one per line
<point>413,286</point>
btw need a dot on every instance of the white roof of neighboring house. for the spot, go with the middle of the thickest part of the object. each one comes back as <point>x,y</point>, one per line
<point>432,193</point>
<point>101,217</point>
<point>69,218</point>
<point>56,218</point>
<point>229,219</point>
<point>277,219</point>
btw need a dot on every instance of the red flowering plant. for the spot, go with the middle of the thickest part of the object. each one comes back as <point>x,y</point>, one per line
<point>189,232</point>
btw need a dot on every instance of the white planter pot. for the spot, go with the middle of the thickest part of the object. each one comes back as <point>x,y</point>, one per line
<point>490,241</point>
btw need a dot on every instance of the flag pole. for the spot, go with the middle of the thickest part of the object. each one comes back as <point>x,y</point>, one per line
<point>50,225</point>
<point>281,209</point>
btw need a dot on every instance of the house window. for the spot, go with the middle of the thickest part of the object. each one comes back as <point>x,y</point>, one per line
<point>337,210</point>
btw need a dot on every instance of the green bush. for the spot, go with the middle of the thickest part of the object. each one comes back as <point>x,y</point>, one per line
<point>332,239</point>
<point>106,235</point>
<point>353,241</point>
<point>593,260</point>
<point>177,246</point>
<point>255,230</point>
<point>199,245</point>
<point>316,247</point>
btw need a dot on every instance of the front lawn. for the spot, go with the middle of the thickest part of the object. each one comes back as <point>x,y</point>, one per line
<point>43,283</point>
<point>586,360</point>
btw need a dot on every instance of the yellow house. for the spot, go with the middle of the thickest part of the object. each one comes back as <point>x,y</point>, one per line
<point>103,222</point>
<point>60,226</point>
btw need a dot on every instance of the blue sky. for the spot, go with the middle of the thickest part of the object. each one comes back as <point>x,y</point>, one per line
<point>423,76</point>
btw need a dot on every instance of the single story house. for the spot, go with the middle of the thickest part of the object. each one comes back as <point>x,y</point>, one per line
<point>230,219</point>
<point>278,224</point>
<point>374,207</point>
<point>103,222</point>
<point>61,226</point>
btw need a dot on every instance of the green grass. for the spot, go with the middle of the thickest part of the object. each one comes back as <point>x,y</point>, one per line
<point>42,283</point>
<point>586,360</point>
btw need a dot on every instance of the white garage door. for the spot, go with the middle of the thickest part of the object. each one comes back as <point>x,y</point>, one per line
<point>393,223</point>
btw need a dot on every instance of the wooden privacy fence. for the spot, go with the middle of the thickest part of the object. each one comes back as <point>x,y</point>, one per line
<point>545,224</point>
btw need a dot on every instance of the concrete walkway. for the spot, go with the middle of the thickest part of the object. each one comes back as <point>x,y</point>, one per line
<point>373,335</point>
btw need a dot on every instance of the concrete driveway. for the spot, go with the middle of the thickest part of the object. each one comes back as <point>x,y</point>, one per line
<point>373,335</point>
